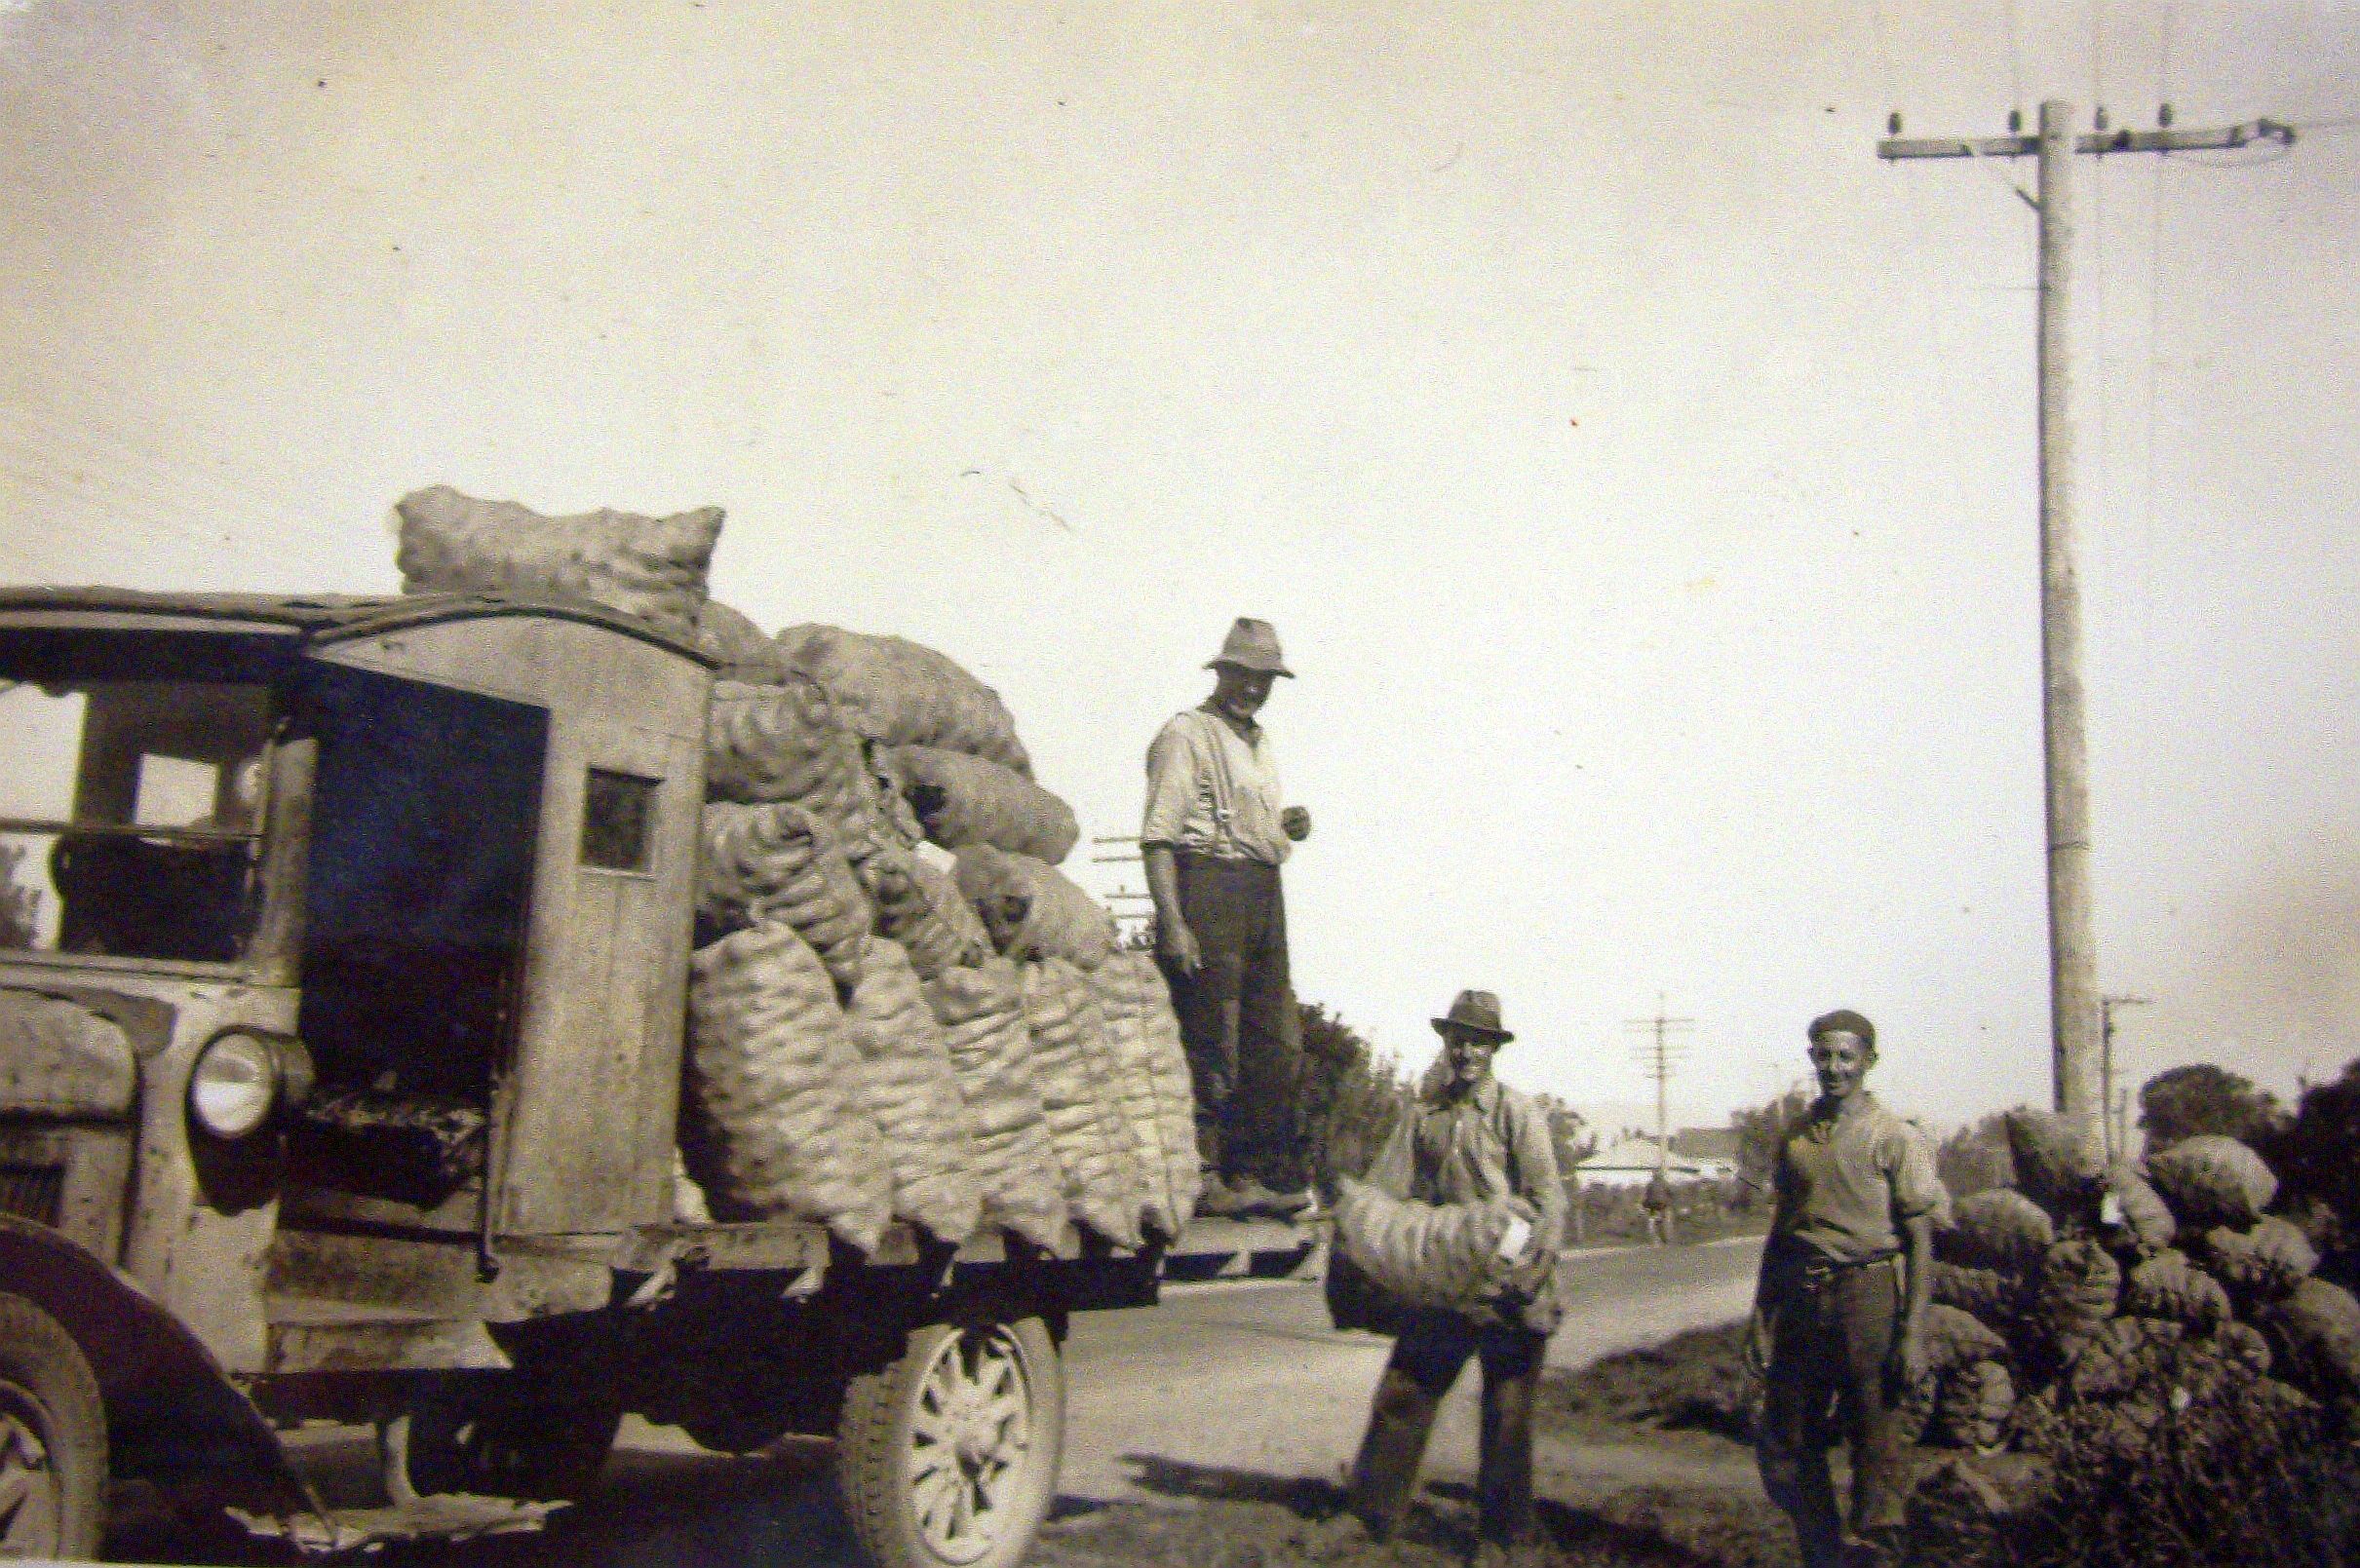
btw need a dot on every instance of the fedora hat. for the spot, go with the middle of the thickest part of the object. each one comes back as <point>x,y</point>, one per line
<point>1250,645</point>
<point>1474,1013</point>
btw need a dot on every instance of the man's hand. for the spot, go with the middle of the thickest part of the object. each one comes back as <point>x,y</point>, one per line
<point>1757,1346</point>
<point>1178,944</point>
<point>1904,1364</point>
<point>1296,822</point>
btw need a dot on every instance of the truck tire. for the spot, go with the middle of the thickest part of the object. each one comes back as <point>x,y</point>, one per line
<point>949,1457</point>
<point>512,1441</point>
<point>53,1438</point>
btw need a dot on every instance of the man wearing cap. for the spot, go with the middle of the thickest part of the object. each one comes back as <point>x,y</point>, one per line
<point>1468,1139</point>
<point>1213,835</point>
<point>1840,1313</point>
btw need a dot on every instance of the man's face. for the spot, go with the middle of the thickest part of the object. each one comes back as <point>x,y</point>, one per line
<point>1240,692</point>
<point>1842,1061</point>
<point>1469,1056</point>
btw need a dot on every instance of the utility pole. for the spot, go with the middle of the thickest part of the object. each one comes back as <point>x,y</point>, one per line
<point>1660,1057</point>
<point>2073,1009</point>
<point>2117,1129</point>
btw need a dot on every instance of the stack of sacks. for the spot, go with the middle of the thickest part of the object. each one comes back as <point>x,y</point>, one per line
<point>962,800</point>
<point>918,905</point>
<point>1175,1088</point>
<point>775,863</point>
<point>2081,1298</point>
<point>650,567</point>
<point>1431,1255</point>
<point>1123,1005</point>
<point>895,692</point>
<point>771,1123</point>
<point>911,1090</point>
<point>981,1011</point>
<point>1034,911</point>
<point>731,639</point>
<point>1096,1147</point>
<point>783,742</point>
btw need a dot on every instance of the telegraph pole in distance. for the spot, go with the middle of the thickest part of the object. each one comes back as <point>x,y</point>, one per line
<point>2117,1130</point>
<point>2073,1019</point>
<point>1660,1056</point>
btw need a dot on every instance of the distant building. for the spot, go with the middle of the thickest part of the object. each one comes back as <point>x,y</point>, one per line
<point>1696,1154</point>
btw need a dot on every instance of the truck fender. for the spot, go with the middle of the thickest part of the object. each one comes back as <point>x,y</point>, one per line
<point>174,1417</point>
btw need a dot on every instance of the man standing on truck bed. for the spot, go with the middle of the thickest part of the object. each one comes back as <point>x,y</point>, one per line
<point>1212,838</point>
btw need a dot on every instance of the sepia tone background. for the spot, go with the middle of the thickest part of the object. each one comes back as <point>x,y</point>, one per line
<point>1640,472</point>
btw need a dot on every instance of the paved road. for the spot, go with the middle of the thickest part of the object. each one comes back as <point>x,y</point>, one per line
<point>1229,1391</point>
<point>1225,1386</point>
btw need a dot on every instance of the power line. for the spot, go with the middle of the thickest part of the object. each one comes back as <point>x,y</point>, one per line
<point>1660,1056</point>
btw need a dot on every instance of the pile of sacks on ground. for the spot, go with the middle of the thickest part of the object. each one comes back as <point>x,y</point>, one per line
<point>2126,1288</point>
<point>899,1009</point>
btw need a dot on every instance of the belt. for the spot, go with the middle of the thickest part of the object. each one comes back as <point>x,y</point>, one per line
<point>1817,1273</point>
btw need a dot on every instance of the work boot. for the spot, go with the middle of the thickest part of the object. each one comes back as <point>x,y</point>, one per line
<point>1219,1201</point>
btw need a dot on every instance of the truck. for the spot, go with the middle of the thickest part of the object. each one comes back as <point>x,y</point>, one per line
<point>343,959</point>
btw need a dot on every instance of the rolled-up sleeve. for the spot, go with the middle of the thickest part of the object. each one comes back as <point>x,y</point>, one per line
<point>1172,770</point>
<point>1918,1187</point>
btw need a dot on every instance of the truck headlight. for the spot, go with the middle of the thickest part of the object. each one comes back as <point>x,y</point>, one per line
<point>234,1086</point>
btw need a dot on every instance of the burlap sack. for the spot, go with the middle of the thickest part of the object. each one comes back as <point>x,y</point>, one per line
<point>2060,1160</point>
<point>2073,1297</point>
<point>2144,1224</point>
<point>911,1090</point>
<point>776,861</point>
<point>1972,1407</point>
<point>1095,1146</point>
<point>2169,1287</point>
<point>785,743</point>
<point>745,651</point>
<point>919,906</point>
<point>1954,1339</point>
<point>901,693</point>
<point>1123,1006</point>
<point>2213,1180</point>
<point>2244,1346</point>
<point>2314,1336</point>
<point>1034,911</point>
<point>1174,1088</point>
<point>2261,1264</point>
<point>2125,1354</point>
<point>1997,1228</point>
<point>652,567</point>
<point>1430,1255</point>
<point>1995,1298</point>
<point>962,800</point>
<point>772,1124</point>
<point>981,1014</point>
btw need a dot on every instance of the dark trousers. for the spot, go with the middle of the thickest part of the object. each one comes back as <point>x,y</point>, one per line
<point>1432,1351</point>
<point>1237,1019</point>
<point>1831,1338</point>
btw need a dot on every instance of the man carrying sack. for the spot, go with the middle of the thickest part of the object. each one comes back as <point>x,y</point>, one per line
<point>1838,1324</point>
<point>1212,838</point>
<point>1470,1140</point>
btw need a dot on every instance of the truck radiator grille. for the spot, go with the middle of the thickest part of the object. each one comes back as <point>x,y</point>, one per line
<point>32,1192</point>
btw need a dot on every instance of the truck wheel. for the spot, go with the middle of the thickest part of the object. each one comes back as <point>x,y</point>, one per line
<point>948,1458</point>
<point>52,1439</point>
<point>508,1442</point>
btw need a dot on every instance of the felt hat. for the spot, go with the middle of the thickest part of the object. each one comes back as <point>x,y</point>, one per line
<point>1250,645</point>
<point>1474,1013</point>
<point>1844,1020</point>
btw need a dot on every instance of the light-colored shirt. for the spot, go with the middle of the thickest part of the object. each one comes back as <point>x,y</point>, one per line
<point>1488,1143</point>
<point>1212,790</point>
<point>1849,1176</point>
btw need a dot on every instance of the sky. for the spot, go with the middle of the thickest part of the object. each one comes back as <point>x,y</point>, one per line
<point>1640,474</point>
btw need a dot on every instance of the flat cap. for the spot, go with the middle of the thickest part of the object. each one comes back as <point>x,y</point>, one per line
<point>1844,1020</point>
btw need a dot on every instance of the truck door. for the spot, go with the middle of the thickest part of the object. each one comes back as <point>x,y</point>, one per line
<point>590,1119</point>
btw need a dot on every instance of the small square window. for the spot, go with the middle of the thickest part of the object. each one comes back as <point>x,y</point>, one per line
<point>617,810</point>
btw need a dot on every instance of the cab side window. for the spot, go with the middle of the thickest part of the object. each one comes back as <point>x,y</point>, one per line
<point>618,812</point>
